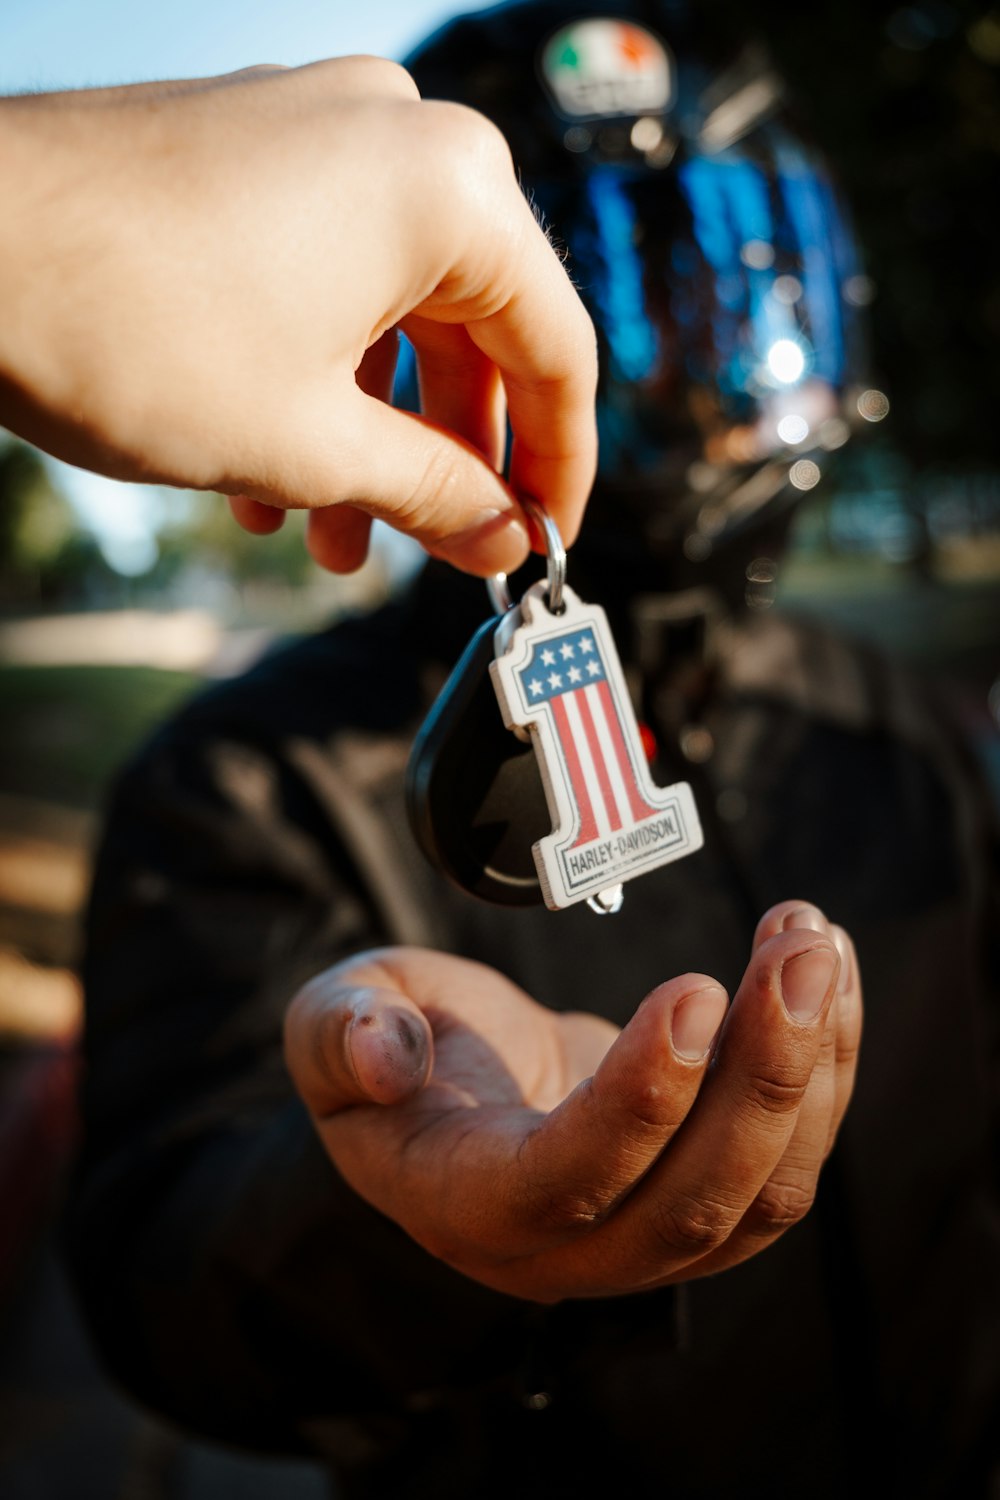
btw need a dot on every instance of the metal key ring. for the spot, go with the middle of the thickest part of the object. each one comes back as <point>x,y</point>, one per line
<point>555,563</point>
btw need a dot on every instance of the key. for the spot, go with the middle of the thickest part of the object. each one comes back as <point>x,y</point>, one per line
<point>473,789</point>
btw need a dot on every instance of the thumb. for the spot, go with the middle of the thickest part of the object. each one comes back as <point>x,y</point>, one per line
<point>418,477</point>
<point>434,485</point>
<point>348,1045</point>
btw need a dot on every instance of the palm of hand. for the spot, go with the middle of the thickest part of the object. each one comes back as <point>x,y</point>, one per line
<point>440,1161</point>
<point>550,1155</point>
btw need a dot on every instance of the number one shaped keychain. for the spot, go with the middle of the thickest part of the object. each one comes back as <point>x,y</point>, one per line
<point>479,800</point>
<point>559,681</point>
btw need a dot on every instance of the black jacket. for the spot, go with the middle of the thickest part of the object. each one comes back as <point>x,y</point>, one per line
<point>235,1283</point>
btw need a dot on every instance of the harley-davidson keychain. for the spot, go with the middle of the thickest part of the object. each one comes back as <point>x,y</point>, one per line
<point>473,792</point>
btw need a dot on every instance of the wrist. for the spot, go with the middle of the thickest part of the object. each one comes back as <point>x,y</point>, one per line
<point>25,251</point>
<point>52,203</point>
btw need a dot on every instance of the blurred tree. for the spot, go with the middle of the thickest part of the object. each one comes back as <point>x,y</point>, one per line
<point>45,556</point>
<point>33,520</point>
<point>203,531</point>
<point>905,100</point>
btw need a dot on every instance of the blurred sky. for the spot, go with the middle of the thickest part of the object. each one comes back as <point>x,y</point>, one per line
<point>76,43</point>
<point>52,44</point>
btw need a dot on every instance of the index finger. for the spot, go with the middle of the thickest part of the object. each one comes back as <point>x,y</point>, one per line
<point>543,343</point>
<point>488,265</point>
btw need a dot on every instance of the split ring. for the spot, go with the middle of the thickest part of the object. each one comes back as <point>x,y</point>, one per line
<point>555,564</point>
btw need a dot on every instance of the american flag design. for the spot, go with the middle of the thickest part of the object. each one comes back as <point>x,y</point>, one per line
<point>558,677</point>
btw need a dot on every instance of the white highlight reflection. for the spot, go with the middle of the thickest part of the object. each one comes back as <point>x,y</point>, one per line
<point>804,475</point>
<point>786,361</point>
<point>793,429</point>
<point>873,405</point>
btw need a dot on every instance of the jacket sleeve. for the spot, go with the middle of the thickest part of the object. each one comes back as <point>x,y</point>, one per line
<point>231,1279</point>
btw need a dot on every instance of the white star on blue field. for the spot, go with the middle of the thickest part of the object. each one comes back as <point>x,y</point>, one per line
<point>577,656</point>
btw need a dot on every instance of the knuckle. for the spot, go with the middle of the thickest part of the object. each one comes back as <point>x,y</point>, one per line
<point>393,76</point>
<point>778,1206</point>
<point>770,1094</point>
<point>827,1054</point>
<point>848,1046</point>
<point>431,503</point>
<point>686,1228</point>
<point>637,1119</point>
<point>559,1204</point>
<point>566,1211</point>
<point>628,1110</point>
<point>467,130</point>
<point>377,75</point>
<point>475,167</point>
<point>649,1110</point>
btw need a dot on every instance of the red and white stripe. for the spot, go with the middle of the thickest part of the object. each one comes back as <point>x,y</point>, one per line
<point>601,771</point>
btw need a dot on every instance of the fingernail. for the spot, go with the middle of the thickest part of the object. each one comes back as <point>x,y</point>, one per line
<point>695,1021</point>
<point>805,980</point>
<point>410,1038</point>
<point>387,1051</point>
<point>808,917</point>
<point>497,543</point>
<point>362,1036</point>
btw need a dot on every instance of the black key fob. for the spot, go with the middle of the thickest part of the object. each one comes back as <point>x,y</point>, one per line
<point>473,790</point>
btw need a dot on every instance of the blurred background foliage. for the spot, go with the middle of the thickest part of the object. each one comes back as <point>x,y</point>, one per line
<point>905,102</point>
<point>46,557</point>
<point>49,558</point>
